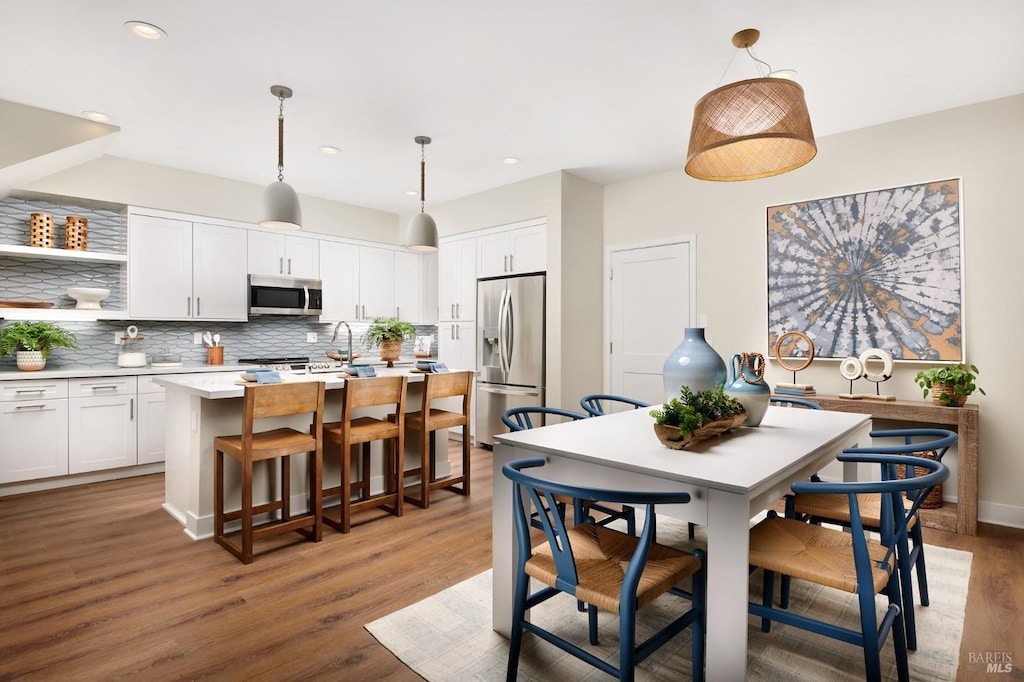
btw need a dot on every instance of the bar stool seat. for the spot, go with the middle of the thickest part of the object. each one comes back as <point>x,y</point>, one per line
<point>272,400</point>
<point>388,392</point>
<point>437,387</point>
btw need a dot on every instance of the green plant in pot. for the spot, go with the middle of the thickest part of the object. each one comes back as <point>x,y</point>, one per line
<point>949,385</point>
<point>32,342</point>
<point>388,333</point>
<point>693,417</point>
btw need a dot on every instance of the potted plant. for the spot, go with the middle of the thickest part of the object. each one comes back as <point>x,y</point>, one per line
<point>693,417</point>
<point>388,333</point>
<point>32,342</point>
<point>949,385</point>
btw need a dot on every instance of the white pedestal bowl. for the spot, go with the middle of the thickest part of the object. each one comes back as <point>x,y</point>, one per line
<point>88,298</point>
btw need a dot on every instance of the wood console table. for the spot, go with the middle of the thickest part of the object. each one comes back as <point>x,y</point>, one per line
<point>961,517</point>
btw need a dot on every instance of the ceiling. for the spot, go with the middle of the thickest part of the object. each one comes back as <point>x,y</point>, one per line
<point>602,88</point>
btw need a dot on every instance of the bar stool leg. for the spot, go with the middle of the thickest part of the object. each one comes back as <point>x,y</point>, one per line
<point>427,467</point>
<point>346,487</point>
<point>286,488</point>
<point>397,448</point>
<point>218,497</point>
<point>247,510</point>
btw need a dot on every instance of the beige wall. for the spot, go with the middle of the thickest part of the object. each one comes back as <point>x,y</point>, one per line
<point>981,143</point>
<point>124,181</point>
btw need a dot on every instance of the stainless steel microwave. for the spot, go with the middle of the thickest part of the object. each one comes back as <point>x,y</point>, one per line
<point>269,295</point>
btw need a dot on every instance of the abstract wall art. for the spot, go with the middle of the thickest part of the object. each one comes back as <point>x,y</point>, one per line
<point>879,269</point>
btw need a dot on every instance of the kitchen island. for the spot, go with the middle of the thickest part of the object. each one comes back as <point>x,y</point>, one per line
<point>202,406</point>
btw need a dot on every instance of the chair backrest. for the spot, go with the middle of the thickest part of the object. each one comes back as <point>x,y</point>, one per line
<point>541,494</point>
<point>938,441</point>
<point>448,385</point>
<point>794,402</point>
<point>592,403</point>
<point>279,400</point>
<point>522,418</point>
<point>372,391</point>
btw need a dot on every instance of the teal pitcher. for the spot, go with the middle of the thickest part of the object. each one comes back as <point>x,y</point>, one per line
<point>746,384</point>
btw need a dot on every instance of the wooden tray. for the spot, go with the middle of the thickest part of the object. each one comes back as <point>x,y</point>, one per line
<point>671,438</point>
<point>25,304</point>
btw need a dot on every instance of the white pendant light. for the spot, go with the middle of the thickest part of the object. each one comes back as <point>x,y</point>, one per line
<point>281,207</point>
<point>422,232</point>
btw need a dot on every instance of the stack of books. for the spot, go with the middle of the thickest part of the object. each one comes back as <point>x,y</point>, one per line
<point>794,389</point>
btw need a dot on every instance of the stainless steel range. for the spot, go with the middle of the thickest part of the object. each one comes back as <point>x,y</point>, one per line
<point>298,365</point>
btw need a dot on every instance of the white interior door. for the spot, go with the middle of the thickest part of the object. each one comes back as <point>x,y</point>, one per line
<point>650,304</point>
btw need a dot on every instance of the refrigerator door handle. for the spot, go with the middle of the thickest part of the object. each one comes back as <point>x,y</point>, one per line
<point>503,390</point>
<point>502,333</point>
<point>510,329</point>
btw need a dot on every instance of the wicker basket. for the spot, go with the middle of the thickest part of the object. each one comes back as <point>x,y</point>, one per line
<point>934,498</point>
<point>77,233</point>
<point>940,389</point>
<point>671,438</point>
<point>41,230</point>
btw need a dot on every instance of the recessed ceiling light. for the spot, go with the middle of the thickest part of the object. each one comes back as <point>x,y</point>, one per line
<point>328,149</point>
<point>510,160</point>
<point>145,30</point>
<point>97,116</point>
<point>412,193</point>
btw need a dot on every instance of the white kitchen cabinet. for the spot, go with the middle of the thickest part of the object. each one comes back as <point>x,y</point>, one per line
<point>514,251</point>
<point>149,421</point>
<point>33,430</point>
<point>456,348</point>
<point>376,282</point>
<point>339,275</point>
<point>409,288</point>
<point>180,270</point>
<point>457,279</point>
<point>272,253</point>
<point>101,423</point>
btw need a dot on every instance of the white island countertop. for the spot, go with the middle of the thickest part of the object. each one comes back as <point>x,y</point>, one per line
<point>230,385</point>
<point>71,371</point>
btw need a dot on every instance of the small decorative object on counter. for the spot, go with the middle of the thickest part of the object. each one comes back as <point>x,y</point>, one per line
<point>695,417</point>
<point>804,355</point>
<point>949,385</point>
<point>40,232</point>
<point>747,385</point>
<point>215,355</point>
<point>694,363</point>
<point>423,346</point>
<point>388,333</point>
<point>32,342</point>
<point>77,233</point>
<point>132,352</point>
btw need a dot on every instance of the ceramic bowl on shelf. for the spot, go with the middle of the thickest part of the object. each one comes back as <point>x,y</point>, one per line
<point>88,298</point>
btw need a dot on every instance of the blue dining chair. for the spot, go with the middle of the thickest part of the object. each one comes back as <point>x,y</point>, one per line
<point>522,418</point>
<point>848,561</point>
<point>779,401</point>
<point>821,507</point>
<point>604,568</point>
<point>593,403</point>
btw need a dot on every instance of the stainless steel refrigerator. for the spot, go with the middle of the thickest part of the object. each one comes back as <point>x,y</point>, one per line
<point>510,349</point>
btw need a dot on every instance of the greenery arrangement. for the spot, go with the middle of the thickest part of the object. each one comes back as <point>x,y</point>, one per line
<point>40,336</point>
<point>690,411</point>
<point>388,329</point>
<point>959,378</point>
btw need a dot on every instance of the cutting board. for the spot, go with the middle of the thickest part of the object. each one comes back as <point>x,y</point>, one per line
<point>25,304</point>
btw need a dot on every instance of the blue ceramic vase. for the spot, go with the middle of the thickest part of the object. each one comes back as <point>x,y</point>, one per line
<point>693,363</point>
<point>746,384</point>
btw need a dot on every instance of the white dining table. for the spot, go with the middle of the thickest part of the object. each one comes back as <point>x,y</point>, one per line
<point>731,479</point>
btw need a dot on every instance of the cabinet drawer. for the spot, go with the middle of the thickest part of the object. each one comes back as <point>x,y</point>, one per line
<point>146,384</point>
<point>33,390</point>
<point>101,386</point>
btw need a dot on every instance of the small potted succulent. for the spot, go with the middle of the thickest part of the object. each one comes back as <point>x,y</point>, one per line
<point>949,385</point>
<point>693,417</point>
<point>388,332</point>
<point>32,342</point>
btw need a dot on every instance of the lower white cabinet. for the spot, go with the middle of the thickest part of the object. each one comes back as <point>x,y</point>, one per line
<point>101,424</point>
<point>33,430</point>
<point>150,421</point>
<point>456,348</point>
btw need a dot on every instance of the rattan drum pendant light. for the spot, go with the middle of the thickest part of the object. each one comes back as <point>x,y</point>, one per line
<point>750,129</point>
<point>422,233</point>
<point>281,208</point>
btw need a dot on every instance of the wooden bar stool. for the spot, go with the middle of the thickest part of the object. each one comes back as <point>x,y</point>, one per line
<point>386,392</point>
<point>429,419</point>
<point>259,402</point>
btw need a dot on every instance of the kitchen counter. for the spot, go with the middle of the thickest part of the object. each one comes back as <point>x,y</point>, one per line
<point>70,371</point>
<point>225,384</point>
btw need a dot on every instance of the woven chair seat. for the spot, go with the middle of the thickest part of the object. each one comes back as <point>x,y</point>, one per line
<point>837,507</point>
<point>602,556</point>
<point>820,555</point>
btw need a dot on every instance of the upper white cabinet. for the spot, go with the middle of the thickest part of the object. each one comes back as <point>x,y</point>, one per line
<point>361,282</point>
<point>339,275</point>
<point>457,276</point>
<point>287,255</point>
<point>513,251</point>
<point>409,289</point>
<point>180,270</point>
<point>376,282</point>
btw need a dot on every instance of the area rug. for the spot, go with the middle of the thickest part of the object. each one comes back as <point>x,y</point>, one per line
<point>448,636</point>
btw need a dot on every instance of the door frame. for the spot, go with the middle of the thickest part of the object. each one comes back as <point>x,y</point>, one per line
<point>691,240</point>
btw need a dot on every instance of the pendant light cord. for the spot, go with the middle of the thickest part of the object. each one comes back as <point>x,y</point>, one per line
<point>280,140</point>
<point>423,175</point>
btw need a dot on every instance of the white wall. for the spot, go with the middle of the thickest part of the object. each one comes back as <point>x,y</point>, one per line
<point>982,144</point>
<point>125,181</point>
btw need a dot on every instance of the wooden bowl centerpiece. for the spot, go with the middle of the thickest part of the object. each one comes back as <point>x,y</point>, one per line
<point>695,417</point>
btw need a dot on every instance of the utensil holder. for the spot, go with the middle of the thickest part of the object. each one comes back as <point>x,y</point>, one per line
<point>41,230</point>
<point>215,355</point>
<point>77,233</point>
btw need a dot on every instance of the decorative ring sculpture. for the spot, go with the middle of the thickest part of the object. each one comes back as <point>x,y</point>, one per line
<point>851,368</point>
<point>877,354</point>
<point>777,351</point>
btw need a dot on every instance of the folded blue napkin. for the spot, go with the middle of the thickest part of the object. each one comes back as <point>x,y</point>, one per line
<point>268,378</point>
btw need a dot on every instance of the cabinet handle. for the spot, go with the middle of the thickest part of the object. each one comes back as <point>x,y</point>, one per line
<point>458,311</point>
<point>198,314</point>
<point>131,410</point>
<point>398,312</point>
<point>188,305</point>
<point>105,387</point>
<point>452,332</point>
<point>30,390</point>
<point>357,311</point>
<point>506,263</point>
<point>289,266</point>
<point>29,407</point>
<point>511,267</point>
<point>458,333</point>
<point>364,312</point>
<point>280,266</point>
<point>453,311</point>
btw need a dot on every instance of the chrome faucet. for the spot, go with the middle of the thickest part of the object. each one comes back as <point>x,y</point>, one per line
<point>334,338</point>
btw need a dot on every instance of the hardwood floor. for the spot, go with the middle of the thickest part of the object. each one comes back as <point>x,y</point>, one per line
<point>98,582</point>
